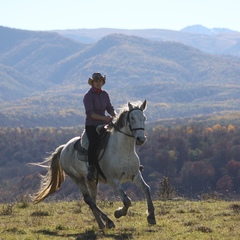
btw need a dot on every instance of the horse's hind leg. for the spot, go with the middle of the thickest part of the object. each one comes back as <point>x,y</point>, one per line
<point>99,215</point>
<point>141,184</point>
<point>89,194</point>
<point>92,187</point>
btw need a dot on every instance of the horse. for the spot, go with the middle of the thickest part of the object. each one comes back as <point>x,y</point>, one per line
<point>118,161</point>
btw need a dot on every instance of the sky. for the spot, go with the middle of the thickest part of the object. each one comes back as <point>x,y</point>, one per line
<point>121,14</point>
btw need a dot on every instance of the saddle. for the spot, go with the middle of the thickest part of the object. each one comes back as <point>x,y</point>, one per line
<point>81,145</point>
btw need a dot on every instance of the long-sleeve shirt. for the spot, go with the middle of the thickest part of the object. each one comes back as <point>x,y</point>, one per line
<point>97,103</point>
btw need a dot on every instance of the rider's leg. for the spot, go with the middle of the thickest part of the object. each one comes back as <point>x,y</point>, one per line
<point>93,138</point>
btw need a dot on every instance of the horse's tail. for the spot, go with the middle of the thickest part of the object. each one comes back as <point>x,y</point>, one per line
<point>53,179</point>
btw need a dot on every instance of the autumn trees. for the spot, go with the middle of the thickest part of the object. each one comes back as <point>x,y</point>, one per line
<point>196,158</point>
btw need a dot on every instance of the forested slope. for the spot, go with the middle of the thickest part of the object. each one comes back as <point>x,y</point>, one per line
<point>43,77</point>
<point>198,157</point>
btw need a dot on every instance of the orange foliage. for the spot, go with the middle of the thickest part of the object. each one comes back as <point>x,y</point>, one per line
<point>231,128</point>
<point>208,130</point>
<point>217,127</point>
<point>225,184</point>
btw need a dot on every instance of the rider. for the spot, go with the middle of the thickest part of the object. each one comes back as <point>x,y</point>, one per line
<point>96,102</point>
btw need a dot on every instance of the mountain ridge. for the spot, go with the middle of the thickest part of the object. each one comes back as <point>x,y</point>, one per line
<point>199,29</point>
<point>216,40</point>
<point>45,78</point>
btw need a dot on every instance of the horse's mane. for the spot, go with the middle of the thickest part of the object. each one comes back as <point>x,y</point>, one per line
<point>120,120</point>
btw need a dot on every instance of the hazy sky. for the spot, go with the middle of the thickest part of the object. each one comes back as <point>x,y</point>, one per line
<point>122,14</point>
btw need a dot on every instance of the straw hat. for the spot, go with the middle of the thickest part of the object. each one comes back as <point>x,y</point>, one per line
<point>97,76</point>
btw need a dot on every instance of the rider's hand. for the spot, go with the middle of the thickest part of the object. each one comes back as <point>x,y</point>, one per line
<point>108,119</point>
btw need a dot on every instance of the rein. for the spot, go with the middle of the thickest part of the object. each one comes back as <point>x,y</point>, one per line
<point>128,121</point>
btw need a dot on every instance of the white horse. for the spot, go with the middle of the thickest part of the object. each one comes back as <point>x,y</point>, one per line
<point>118,161</point>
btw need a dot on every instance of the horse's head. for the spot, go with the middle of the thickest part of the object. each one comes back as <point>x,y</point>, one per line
<point>136,120</point>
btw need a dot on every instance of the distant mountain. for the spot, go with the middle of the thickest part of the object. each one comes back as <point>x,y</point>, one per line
<point>216,40</point>
<point>43,77</point>
<point>199,29</point>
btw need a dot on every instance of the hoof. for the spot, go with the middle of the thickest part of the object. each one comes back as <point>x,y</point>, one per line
<point>117,214</point>
<point>120,212</point>
<point>101,225</point>
<point>151,220</point>
<point>110,224</point>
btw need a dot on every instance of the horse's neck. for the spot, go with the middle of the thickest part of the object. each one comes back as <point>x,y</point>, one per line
<point>123,137</point>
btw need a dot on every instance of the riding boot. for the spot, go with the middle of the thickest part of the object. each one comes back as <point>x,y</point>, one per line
<point>90,175</point>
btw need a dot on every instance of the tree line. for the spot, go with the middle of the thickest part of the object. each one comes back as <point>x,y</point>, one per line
<point>195,157</point>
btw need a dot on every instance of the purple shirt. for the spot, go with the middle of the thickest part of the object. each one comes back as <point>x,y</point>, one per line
<point>96,103</point>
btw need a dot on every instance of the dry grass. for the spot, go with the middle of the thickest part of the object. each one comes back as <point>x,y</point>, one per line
<point>211,219</point>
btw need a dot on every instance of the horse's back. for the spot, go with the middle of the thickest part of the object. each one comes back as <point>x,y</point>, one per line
<point>72,141</point>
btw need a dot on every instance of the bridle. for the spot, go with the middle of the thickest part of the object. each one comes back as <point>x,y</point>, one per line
<point>128,121</point>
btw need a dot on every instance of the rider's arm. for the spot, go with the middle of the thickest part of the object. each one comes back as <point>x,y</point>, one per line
<point>100,117</point>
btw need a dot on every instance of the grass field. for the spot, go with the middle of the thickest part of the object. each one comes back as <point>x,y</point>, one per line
<point>211,219</point>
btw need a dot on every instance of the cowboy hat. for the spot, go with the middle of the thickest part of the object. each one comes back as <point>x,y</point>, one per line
<point>97,76</point>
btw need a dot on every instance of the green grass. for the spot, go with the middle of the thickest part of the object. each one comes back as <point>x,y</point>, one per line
<point>211,219</point>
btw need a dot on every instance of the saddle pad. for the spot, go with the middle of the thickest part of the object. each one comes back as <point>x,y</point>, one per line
<point>77,146</point>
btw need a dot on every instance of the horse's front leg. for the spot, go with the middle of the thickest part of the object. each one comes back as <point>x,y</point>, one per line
<point>141,184</point>
<point>122,211</point>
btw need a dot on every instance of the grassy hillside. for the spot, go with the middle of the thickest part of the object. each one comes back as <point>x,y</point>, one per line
<point>27,58</point>
<point>210,219</point>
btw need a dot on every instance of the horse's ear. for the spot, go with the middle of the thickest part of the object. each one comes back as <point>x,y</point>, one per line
<point>144,105</point>
<point>130,106</point>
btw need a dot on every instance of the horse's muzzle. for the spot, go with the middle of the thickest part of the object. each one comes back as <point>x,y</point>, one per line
<point>140,141</point>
